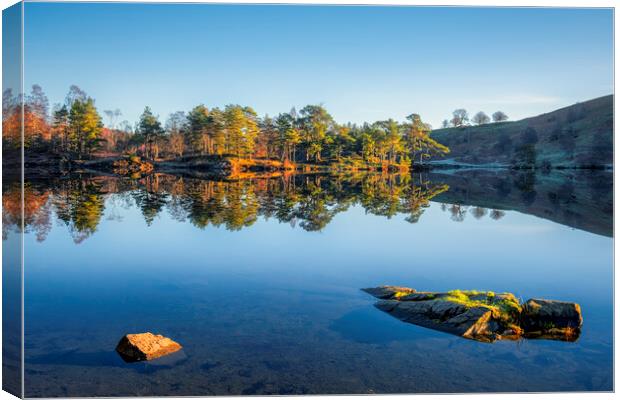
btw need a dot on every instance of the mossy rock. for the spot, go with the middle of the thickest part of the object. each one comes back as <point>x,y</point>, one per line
<point>481,315</point>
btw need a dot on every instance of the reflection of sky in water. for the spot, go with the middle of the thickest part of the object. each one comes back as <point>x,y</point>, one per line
<point>298,291</point>
<point>518,249</point>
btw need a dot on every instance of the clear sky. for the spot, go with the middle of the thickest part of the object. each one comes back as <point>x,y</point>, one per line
<point>361,63</point>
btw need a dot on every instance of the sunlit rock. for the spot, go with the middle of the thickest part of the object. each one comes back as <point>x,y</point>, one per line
<point>551,319</point>
<point>388,292</point>
<point>145,346</point>
<point>481,316</point>
<point>132,165</point>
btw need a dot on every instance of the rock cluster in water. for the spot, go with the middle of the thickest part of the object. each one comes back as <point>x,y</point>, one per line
<point>145,346</point>
<point>481,316</point>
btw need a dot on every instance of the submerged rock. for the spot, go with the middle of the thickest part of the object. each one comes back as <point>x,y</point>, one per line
<point>482,316</point>
<point>145,346</point>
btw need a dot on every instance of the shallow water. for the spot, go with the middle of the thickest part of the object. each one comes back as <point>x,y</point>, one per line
<point>260,280</point>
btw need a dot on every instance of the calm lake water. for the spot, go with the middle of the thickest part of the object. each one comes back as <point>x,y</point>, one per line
<point>260,279</point>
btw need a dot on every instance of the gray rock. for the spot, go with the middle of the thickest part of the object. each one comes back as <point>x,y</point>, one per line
<point>445,316</point>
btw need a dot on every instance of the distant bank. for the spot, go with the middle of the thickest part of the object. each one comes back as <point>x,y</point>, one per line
<point>577,136</point>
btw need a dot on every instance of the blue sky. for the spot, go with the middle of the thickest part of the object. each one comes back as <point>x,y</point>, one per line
<point>361,63</point>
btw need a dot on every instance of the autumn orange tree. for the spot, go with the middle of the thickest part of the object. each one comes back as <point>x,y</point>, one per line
<point>33,110</point>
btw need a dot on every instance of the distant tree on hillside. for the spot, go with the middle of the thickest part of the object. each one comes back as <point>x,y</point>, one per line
<point>499,116</point>
<point>459,117</point>
<point>481,118</point>
<point>445,123</point>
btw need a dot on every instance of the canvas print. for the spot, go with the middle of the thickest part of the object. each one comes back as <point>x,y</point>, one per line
<point>233,199</point>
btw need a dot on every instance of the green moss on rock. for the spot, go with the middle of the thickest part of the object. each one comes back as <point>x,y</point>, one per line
<point>481,315</point>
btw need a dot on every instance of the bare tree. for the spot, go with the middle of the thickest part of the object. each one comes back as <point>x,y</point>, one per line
<point>75,93</point>
<point>481,118</point>
<point>499,116</point>
<point>113,116</point>
<point>175,122</point>
<point>176,142</point>
<point>117,115</point>
<point>110,115</point>
<point>38,101</point>
<point>459,117</point>
<point>126,127</point>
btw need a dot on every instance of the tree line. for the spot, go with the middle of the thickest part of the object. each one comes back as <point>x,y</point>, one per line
<point>75,129</point>
<point>460,118</point>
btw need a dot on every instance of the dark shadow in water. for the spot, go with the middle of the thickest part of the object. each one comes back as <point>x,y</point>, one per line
<point>366,325</point>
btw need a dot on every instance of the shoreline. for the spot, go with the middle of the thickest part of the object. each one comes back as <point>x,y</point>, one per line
<point>225,166</point>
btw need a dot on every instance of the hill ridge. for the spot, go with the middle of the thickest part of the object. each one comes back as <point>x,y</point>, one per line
<point>575,136</point>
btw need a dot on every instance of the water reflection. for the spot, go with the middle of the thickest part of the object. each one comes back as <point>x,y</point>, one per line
<point>297,322</point>
<point>308,201</point>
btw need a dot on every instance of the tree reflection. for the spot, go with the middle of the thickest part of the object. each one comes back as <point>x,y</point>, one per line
<point>308,201</point>
<point>37,216</point>
<point>79,204</point>
<point>150,200</point>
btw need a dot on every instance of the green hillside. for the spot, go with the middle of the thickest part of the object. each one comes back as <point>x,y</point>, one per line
<point>578,136</point>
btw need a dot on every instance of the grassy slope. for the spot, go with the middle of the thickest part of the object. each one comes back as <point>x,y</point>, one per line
<point>576,136</point>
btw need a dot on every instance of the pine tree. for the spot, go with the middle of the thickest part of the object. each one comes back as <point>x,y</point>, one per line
<point>149,131</point>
